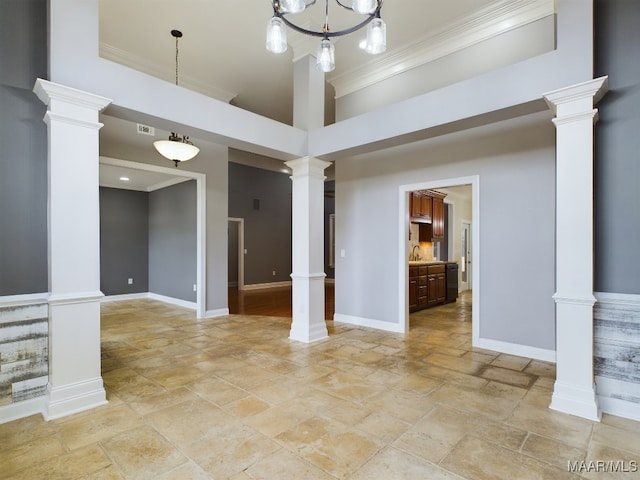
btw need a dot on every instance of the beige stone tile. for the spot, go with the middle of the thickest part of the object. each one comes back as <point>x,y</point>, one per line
<point>347,386</point>
<point>511,362</point>
<point>24,430</point>
<point>83,461</point>
<point>24,455</point>
<point>620,422</point>
<point>108,473</point>
<point>246,407</point>
<point>538,397</point>
<point>98,425</point>
<point>233,450</point>
<point>217,391</point>
<point>346,412</point>
<point>541,369</point>
<point>458,364</point>
<point>284,465</point>
<point>565,428</point>
<point>452,376</point>
<point>551,451</point>
<point>502,390</point>
<point>508,376</point>
<point>474,401</point>
<point>148,404</point>
<point>277,419</point>
<point>606,462</point>
<point>191,421</point>
<point>142,453</point>
<point>383,427</point>
<point>392,463</point>
<point>619,438</point>
<point>476,458</point>
<point>177,377</point>
<point>405,406</point>
<point>545,382</point>
<point>417,383</point>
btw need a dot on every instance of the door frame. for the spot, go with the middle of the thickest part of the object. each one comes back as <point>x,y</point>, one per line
<point>240,222</point>
<point>463,222</point>
<point>403,251</point>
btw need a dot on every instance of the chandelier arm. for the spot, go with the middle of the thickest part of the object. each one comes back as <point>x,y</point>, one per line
<point>332,34</point>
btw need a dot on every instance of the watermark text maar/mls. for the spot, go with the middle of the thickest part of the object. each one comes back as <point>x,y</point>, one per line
<point>602,466</point>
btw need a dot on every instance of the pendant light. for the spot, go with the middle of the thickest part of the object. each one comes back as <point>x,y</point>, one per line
<point>178,148</point>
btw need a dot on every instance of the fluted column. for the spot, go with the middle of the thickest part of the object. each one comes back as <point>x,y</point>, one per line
<point>75,381</point>
<point>574,390</point>
<point>308,275</point>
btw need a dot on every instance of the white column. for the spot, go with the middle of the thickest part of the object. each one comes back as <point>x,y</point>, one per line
<point>574,390</point>
<point>308,275</point>
<point>308,94</point>
<point>75,381</point>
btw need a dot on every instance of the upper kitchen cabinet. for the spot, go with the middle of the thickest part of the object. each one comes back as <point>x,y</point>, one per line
<point>427,207</point>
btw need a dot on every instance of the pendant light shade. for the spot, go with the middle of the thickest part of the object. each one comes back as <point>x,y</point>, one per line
<point>376,36</point>
<point>364,7</point>
<point>177,148</point>
<point>276,36</point>
<point>293,6</point>
<point>326,58</point>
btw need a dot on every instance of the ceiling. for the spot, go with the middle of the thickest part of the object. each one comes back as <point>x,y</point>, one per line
<point>222,52</point>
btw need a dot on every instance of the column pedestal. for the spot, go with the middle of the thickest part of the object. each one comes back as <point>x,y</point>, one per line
<point>75,381</point>
<point>574,389</point>
<point>308,250</point>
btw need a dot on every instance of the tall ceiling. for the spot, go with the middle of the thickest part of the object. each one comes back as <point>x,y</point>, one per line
<point>222,52</point>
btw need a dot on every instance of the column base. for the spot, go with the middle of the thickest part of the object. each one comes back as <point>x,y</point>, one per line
<point>69,399</point>
<point>308,323</point>
<point>575,400</point>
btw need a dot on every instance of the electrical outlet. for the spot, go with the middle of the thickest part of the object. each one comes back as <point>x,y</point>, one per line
<point>130,281</point>
<point>195,287</point>
<point>273,273</point>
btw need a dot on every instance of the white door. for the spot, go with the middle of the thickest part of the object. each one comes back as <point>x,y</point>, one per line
<point>465,256</point>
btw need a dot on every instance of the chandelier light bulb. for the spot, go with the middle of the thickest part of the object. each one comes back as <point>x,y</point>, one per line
<point>364,7</point>
<point>376,36</point>
<point>326,60</point>
<point>293,6</point>
<point>276,36</point>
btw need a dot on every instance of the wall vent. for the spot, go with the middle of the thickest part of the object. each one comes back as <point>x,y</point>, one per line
<point>146,130</point>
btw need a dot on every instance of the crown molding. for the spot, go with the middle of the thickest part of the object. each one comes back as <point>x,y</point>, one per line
<point>109,52</point>
<point>500,17</point>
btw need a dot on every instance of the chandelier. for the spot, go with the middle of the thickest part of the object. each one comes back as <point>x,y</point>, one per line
<point>376,41</point>
<point>178,148</point>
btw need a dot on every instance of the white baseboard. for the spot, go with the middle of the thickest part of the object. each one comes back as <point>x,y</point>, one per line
<point>173,301</point>
<point>368,322</point>
<point>258,286</point>
<point>619,408</point>
<point>516,349</point>
<point>125,296</point>
<point>14,411</point>
<point>220,312</point>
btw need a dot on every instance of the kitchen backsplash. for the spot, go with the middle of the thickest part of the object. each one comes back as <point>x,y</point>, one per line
<point>422,249</point>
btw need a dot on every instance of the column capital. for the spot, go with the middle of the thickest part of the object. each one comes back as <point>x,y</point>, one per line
<point>578,98</point>
<point>307,166</point>
<point>48,92</point>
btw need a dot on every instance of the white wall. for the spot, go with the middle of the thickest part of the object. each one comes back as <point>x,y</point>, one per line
<point>515,162</point>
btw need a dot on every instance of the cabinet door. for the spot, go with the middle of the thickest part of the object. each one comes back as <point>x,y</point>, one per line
<point>413,293</point>
<point>426,207</point>
<point>441,287</point>
<point>416,206</point>
<point>432,293</point>
<point>437,221</point>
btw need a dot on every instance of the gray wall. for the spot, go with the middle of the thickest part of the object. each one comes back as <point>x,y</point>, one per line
<point>124,241</point>
<point>23,157</point>
<point>172,241</point>
<point>515,162</point>
<point>617,167</point>
<point>263,199</point>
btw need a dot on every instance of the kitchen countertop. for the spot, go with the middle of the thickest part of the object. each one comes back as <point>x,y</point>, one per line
<point>415,263</point>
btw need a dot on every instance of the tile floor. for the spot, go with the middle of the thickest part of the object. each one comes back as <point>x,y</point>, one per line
<point>233,398</point>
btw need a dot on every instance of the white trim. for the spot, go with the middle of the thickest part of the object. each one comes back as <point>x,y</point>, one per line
<point>201,222</point>
<point>26,408</point>
<point>167,183</point>
<point>403,264</point>
<point>516,349</point>
<point>74,297</point>
<point>618,299</point>
<point>220,312</point>
<point>23,300</point>
<point>619,408</point>
<point>260,286</point>
<point>173,301</point>
<point>367,322</point>
<point>124,296</point>
<point>240,222</point>
<point>498,18</point>
<point>74,398</point>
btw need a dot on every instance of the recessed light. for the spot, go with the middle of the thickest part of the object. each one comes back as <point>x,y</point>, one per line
<point>124,179</point>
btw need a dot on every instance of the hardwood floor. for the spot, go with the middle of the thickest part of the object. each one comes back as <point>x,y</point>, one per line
<point>272,302</point>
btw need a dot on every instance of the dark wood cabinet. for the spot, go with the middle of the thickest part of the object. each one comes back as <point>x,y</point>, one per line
<point>437,219</point>
<point>427,209</point>
<point>420,207</point>
<point>427,285</point>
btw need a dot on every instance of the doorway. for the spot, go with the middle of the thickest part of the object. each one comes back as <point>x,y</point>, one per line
<point>465,256</point>
<point>235,253</point>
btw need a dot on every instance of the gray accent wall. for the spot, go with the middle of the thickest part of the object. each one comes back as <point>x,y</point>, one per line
<point>263,199</point>
<point>23,157</point>
<point>172,241</point>
<point>617,162</point>
<point>124,241</point>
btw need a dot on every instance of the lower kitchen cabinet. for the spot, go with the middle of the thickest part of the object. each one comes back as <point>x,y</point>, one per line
<point>427,286</point>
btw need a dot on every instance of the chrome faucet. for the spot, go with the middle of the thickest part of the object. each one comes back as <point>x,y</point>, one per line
<point>413,252</point>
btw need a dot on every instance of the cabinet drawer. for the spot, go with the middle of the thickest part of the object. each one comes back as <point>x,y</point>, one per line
<point>422,270</point>
<point>422,280</point>
<point>413,271</point>
<point>436,269</point>
<point>422,291</point>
